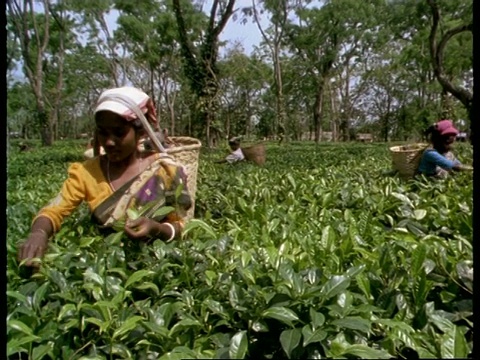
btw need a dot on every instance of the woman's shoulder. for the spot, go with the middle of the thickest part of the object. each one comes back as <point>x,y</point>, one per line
<point>89,164</point>
<point>81,168</point>
<point>429,152</point>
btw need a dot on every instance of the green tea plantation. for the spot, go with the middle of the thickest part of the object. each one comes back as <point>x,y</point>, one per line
<point>321,253</point>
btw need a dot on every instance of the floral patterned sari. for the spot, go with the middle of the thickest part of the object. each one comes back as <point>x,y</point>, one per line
<point>162,183</point>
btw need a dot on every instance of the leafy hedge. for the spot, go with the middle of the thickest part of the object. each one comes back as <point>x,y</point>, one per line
<point>318,254</point>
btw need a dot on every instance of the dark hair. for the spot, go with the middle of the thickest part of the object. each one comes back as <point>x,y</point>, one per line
<point>432,134</point>
<point>137,124</point>
<point>430,130</point>
<point>234,141</point>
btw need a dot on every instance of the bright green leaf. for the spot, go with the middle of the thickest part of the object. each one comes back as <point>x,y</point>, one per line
<point>238,345</point>
<point>289,339</point>
<point>335,285</point>
<point>20,326</point>
<point>310,336</point>
<point>282,314</point>
<point>137,276</point>
<point>127,326</point>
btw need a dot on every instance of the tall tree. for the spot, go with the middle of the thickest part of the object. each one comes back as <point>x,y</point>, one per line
<point>243,79</point>
<point>437,49</point>
<point>274,38</point>
<point>328,39</point>
<point>148,30</point>
<point>200,61</point>
<point>33,32</point>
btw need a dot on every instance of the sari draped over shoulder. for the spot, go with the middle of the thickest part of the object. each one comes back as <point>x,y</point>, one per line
<point>162,183</point>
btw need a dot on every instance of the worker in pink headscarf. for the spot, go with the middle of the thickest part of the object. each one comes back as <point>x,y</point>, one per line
<point>438,160</point>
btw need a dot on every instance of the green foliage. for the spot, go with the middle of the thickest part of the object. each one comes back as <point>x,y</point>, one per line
<point>379,49</point>
<point>316,254</point>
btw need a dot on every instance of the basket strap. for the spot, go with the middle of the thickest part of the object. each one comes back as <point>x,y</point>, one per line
<point>125,100</point>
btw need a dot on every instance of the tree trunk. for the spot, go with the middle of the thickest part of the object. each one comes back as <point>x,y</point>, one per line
<point>280,127</point>
<point>42,118</point>
<point>200,68</point>
<point>345,127</point>
<point>436,53</point>
<point>386,120</point>
<point>280,101</point>
<point>22,16</point>
<point>317,112</point>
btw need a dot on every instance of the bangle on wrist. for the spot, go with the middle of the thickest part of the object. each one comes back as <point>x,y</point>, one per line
<point>40,231</point>
<point>172,228</point>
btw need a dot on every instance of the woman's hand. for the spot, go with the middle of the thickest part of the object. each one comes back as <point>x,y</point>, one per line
<point>461,167</point>
<point>466,168</point>
<point>34,247</point>
<point>145,228</point>
<point>141,228</point>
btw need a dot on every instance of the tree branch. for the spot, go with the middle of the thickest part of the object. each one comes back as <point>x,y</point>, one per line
<point>437,51</point>
<point>255,16</point>
<point>224,19</point>
<point>186,45</point>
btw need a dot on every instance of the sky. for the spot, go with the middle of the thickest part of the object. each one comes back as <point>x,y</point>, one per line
<point>247,34</point>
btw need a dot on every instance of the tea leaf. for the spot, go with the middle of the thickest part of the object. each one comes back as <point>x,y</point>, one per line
<point>420,214</point>
<point>238,345</point>
<point>355,270</point>
<point>335,285</point>
<point>178,191</point>
<point>418,258</point>
<point>354,323</point>
<point>20,326</point>
<point>20,297</point>
<point>163,211</point>
<point>453,344</point>
<point>39,295</point>
<point>127,326</point>
<point>66,309</point>
<point>132,214</point>
<point>196,223</point>
<point>403,198</point>
<point>365,352</point>
<point>282,314</point>
<point>90,275</point>
<point>260,326</point>
<point>317,318</point>
<point>40,351</point>
<point>15,344</point>
<point>149,285</point>
<point>290,340</point>
<point>137,276</point>
<point>310,336</point>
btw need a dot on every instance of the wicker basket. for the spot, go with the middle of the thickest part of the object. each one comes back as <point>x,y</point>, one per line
<point>186,151</point>
<point>406,158</point>
<point>255,153</point>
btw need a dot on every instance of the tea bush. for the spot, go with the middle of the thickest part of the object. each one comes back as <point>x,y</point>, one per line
<point>320,253</point>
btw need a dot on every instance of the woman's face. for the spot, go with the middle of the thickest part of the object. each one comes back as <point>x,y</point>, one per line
<point>117,136</point>
<point>448,141</point>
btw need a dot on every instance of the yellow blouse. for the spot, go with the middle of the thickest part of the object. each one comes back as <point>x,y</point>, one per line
<point>85,182</point>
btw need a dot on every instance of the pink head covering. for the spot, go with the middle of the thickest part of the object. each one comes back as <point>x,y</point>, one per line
<point>445,127</point>
<point>142,100</point>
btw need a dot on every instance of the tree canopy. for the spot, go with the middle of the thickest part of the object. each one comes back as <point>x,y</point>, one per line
<point>389,67</point>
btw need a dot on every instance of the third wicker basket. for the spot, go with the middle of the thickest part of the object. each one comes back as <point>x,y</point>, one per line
<point>255,153</point>
<point>406,158</point>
